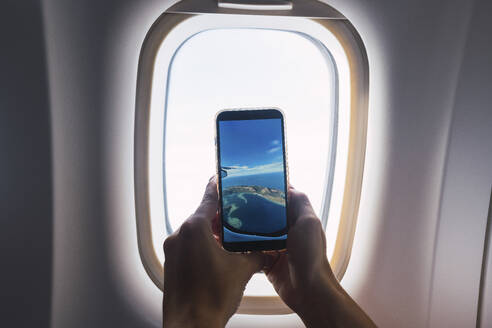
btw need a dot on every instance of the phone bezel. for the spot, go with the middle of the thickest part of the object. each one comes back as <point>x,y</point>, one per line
<point>250,114</point>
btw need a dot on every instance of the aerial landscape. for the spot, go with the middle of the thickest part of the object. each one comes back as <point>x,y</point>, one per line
<point>252,180</point>
<point>254,210</point>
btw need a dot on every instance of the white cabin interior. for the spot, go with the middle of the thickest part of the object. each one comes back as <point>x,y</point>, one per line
<point>421,254</point>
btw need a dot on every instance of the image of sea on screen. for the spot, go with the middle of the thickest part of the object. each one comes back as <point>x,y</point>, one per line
<point>253,180</point>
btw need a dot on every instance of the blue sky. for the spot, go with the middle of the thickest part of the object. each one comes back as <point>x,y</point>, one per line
<point>251,146</point>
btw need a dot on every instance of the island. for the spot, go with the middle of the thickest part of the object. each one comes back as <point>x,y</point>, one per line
<point>254,210</point>
<point>273,195</point>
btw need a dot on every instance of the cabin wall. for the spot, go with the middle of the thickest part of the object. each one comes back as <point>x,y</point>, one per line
<point>26,188</point>
<point>419,247</point>
<point>68,234</point>
<point>466,191</point>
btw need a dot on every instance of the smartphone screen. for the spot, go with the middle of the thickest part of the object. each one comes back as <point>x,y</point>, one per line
<point>252,179</point>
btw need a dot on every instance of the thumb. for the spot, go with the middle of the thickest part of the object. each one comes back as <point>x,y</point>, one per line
<point>208,207</point>
<point>253,262</point>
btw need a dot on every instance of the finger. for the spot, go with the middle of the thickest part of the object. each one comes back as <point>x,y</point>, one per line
<point>171,253</point>
<point>255,261</point>
<point>300,247</point>
<point>299,206</point>
<point>177,231</point>
<point>279,272</point>
<point>270,259</point>
<point>207,210</point>
<point>216,225</point>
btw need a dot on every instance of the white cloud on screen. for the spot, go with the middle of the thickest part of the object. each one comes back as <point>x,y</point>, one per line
<point>274,149</point>
<point>235,171</point>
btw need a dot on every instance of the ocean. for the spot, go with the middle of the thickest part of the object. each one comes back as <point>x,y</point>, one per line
<point>258,215</point>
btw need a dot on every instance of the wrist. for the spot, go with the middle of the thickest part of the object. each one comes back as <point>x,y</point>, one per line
<point>192,318</point>
<point>323,310</point>
<point>192,322</point>
<point>328,305</point>
<point>322,301</point>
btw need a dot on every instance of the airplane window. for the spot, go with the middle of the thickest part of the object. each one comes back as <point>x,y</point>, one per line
<point>192,66</point>
<point>247,68</point>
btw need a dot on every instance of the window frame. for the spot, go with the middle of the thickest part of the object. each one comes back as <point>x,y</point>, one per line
<point>179,22</point>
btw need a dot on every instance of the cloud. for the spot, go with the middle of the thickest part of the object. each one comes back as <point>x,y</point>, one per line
<point>274,149</point>
<point>235,167</point>
<point>260,169</point>
<point>275,142</point>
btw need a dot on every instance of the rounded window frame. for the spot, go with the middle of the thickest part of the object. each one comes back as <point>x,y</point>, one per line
<point>188,13</point>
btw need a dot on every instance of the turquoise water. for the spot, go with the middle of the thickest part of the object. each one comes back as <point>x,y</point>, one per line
<point>257,215</point>
<point>254,214</point>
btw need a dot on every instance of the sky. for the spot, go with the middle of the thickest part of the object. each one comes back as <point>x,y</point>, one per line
<point>251,146</point>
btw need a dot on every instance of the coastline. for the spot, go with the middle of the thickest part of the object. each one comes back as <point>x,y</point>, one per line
<point>275,200</point>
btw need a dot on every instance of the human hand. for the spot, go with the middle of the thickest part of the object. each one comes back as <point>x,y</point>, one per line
<point>300,271</point>
<point>203,283</point>
<point>302,276</point>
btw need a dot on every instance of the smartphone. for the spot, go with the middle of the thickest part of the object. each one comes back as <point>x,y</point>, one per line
<point>252,179</point>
